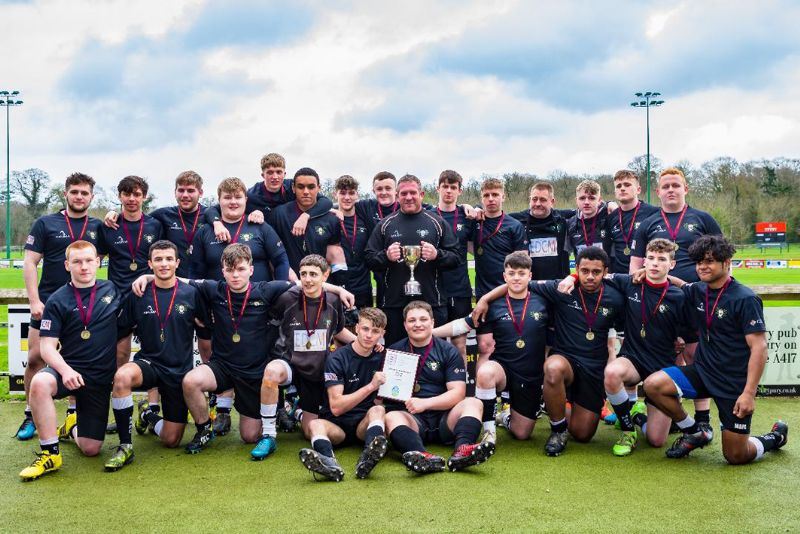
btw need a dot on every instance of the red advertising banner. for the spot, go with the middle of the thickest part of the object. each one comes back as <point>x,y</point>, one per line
<point>770,227</point>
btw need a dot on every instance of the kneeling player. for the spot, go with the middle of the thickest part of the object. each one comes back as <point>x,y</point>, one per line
<point>82,317</point>
<point>517,328</point>
<point>728,363</point>
<point>349,414</point>
<point>164,320</point>
<point>438,411</point>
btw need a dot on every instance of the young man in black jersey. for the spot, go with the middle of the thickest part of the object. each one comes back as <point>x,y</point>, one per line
<point>728,363</point>
<point>438,252</point>
<point>517,329</point>
<point>323,234</point>
<point>274,190</point>
<point>384,187</point>
<point>437,412</point>
<point>354,240</point>
<point>349,414</point>
<point>457,287</point>
<point>78,340</point>
<point>678,222</point>
<point>164,320</point>
<point>654,313</point>
<point>574,369</point>
<point>309,319</point>
<point>587,228</point>
<point>49,237</point>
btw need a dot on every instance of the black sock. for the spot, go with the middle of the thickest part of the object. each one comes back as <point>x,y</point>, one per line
<point>489,409</point>
<point>467,431</point>
<point>52,448</point>
<point>404,440</point>
<point>212,400</point>
<point>324,447</point>
<point>223,410</point>
<point>28,414</point>
<point>694,429</point>
<point>372,432</point>
<point>702,416</point>
<point>70,411</point>
<point>623,412</point>
<point>155,408</point>
<point>559,427</point>
<point>203,426</point>
<point>639,419</point>
<point>151,418</point>
<point>124,420</point>
<point>770,441</point>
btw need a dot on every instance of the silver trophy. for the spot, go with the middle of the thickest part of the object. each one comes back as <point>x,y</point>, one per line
<point>411,256</point>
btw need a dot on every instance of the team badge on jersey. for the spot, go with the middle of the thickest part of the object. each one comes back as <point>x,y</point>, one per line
<point>246,237</point>
<point>180,308</point>
<point>107,299</point>
<point>320,230</point>
<point>433,366</point>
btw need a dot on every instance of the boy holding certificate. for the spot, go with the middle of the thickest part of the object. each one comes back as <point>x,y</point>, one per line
<point>349,413</point>
<point>437,412</point>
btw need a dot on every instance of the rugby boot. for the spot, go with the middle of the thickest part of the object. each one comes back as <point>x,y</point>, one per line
<point>686,443</point>
<point>470,454</point>
<point>423,462</point>
<point>265,446</point>
<point>373,452</point>
<point>122,456</point>
<point>44,463</point>
<point>320,464</point>
<point>26,430</point>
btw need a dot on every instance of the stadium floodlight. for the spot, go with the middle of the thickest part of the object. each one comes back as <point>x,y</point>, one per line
<point>7,102</point>
<point>647,103</point>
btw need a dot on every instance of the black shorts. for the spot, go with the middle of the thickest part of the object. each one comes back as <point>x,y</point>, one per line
<point>173,405</point>
<point>586,391</point>
<point>433,427</point>
<point>643,371</point>
<point>691,386</point>
<point>458,308</point>
<point>524,396</point>
<point>247,391</point>
<point>91,405</point>
<point>311,393</point>
<point>348,424</point>
<point>688,334</point>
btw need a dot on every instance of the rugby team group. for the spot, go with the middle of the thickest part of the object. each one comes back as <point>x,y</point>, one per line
<point>275,282</point>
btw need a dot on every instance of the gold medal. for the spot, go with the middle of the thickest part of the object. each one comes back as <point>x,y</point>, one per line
<point>133,266</point>
<point>86,334</point>
<point>642,332</point>
<point>416,387</point>
<point>236,337</point>
<point>308,345</point>
<point>520,343</point>
<point>162,337</point>
<point>480,251</point>
<point>627,251</point>
<point>590,335</point>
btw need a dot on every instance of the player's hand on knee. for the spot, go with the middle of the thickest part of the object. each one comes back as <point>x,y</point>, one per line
<point>415,405</point>
<point>745,405</point>
<point>72,379</point>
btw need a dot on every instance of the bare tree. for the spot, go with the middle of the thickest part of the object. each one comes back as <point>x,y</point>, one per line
<point>32,189</point>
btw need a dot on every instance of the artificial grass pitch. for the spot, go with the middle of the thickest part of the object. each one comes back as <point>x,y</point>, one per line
<point>519,489</point>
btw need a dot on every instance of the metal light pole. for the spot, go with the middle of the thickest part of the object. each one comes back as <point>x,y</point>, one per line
<point>7,99</point>
<point>648,102</point>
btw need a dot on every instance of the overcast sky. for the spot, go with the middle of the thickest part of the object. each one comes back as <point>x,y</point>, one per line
<point>155,88</point>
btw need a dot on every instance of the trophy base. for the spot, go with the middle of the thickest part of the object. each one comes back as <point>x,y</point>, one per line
<point>412,289</point>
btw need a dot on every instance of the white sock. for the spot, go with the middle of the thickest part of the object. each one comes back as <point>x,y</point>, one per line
<point>122,402</point>
<point>224,402</point>
<point>686,423</point>
<point>633,396</point>
<point>378,423</point>
<point>759,447</point>
<point>486,394</point>
<point>268,412</point>
<point>489,426</point>
<point>158,426</point>
<point>618,397</point>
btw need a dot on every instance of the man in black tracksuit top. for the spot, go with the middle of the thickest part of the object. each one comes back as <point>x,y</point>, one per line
<point>411,226</point>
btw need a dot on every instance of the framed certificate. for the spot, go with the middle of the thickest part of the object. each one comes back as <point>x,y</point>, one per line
<point>400,369</point>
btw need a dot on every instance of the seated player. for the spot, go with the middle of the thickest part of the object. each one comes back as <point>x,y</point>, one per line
<point>78,344</point>
<point>728,364</point>
<point>309,319</point>
<point>164,320</point>
<point>438,411</point>
<point>349,414</point>
<point>517,328</point>
<point>574,369</point>
<point>654,313</point>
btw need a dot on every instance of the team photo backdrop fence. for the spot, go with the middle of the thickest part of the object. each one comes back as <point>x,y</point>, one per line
<point>781,375</point>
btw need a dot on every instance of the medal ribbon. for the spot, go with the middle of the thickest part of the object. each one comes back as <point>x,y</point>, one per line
<point>585,235</point>
<point>455,218</point>
<point>710,314</point>
<point>424,357</point>
<point>189,235</point>
<point>518,328</point>
<point>133,250</point>
<point>645,316</point>
<point>319,313</point>
<point>237,321</point>
<point>86,316</point>
<point>235,238</point>
<point>481,240</point>
<point>355,230</point>
<point>163,323</point>
<point>591,318</point>
<point>380,209</point>
<point>674,233</point>
<point>69,226</point>
<point>626,237</point>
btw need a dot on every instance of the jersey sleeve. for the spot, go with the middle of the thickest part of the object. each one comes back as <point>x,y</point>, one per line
<point>339,314</point>
<point>126,320</point>
<point>277,253</point>
<point>751,315</point>
<point>454,366</point>
<point>212,214</point>
<point>323,206</point>
<point>639,243</point>
<point>711,225</point>
<point>36,238</point>
<point>547,289</point>
<point>53,319</point>
<point>334,371</point>
<point>520,240</point>
<point>375,251</point>
<point>197,263</point>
